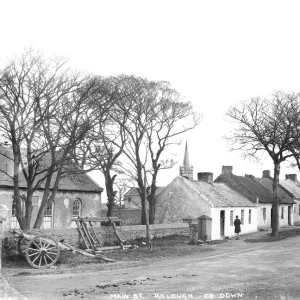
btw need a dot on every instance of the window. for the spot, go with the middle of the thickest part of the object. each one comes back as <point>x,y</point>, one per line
<point>76,210</point>
<point>249,216</point>
<point>129,199</point>
<point>231,218</point>
<point>14,220</point>
<point>282,212</point>
<point>242,217</point>
<point>48,216</point>
<point>299,210</point>
<point>264,213</point>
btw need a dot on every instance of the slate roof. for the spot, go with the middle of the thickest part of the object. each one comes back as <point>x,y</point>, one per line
<point>80,182</point>
<point>217,194</point>
<point>292,186</point>
<point>284,195</point>
<point>253,188</point>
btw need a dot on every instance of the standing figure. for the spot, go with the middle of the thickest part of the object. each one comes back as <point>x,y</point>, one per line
<point>237,227</point>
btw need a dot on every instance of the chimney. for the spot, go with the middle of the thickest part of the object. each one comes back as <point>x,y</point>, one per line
<point>205,176</point>
<point>291,177</point>
<point>226,169</point>
<point>266,174</point>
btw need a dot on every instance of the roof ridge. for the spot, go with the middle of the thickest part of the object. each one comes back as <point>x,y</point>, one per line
<point>181,177</point>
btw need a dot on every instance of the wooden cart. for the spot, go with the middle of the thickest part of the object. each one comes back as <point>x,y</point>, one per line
<point>42,251</point>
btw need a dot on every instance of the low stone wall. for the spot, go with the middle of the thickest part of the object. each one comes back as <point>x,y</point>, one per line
<point>105,234</point>
<point>127,216</point>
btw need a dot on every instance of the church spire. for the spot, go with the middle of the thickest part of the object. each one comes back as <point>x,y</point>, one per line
<point>186,160</point>
<point>186,170</point>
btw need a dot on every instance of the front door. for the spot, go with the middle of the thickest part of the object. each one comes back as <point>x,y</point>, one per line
<point>222,222</point>
<point>290,215</point>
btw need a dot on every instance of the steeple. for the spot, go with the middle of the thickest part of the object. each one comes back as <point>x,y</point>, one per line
<point>186,170</point>
<point>186,160</point>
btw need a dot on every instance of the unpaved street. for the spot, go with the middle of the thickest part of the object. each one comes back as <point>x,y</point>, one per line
<point>235,270</point>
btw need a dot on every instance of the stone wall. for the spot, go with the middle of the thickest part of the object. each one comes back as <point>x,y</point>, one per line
<point>104,233</point>
<point>127,216</point>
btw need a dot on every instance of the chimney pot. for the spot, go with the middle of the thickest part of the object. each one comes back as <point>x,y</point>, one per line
<point>226,169</point>
<point>291,177</point>
<point>205,176</point>
<point>266,174</point>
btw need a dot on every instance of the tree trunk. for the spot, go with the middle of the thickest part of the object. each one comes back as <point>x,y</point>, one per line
<point>109,184</point>
<point>275,205</point>
<point>46,201</point>
<point>152,200</point>
<point>142,190</point>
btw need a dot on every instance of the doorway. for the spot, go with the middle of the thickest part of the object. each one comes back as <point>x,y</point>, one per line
<point>290,215</point>
<point>222,222</point>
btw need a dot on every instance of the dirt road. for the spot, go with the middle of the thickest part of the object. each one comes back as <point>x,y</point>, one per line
<point>235,270</point>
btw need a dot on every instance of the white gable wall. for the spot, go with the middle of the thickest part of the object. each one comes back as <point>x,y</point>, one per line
<point>264,222</point>
<point>228,228</point>
<point>297,212</point>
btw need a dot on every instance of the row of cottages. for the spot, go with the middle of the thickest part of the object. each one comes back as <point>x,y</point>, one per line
<point>229,195</point>
<point>76,196</point>
<point>260,191</point>
<point>187,198</point>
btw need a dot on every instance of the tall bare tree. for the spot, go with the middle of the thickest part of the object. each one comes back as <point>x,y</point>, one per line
<point>268,125</point>
<point>154,117</point>
<point>104,143</point>
<point>44,113</point>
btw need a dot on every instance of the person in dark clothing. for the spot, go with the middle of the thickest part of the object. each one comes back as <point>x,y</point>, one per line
<point>237,227</point>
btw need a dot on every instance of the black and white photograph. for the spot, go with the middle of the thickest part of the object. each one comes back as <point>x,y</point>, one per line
<point>149,150</point>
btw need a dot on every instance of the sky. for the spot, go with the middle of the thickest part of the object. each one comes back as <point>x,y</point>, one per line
<point>214,53</point>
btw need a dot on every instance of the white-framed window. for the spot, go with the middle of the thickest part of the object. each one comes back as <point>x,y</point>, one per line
<point>14,220</point>
<point>282,212</point>
<point>242,217</point>
<point>249,221</point>
<point>77,210</point>
<point>48,216</point>
<point>231,218</point>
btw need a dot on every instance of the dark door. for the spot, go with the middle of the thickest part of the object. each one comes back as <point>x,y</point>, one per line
<point>290,215</point>
<point>222,222</point>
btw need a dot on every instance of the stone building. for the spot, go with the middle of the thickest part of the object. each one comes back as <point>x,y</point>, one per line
<point>259,190</point>
<point>76,196</point>
<point>132,198</point>
<point>186,198</point>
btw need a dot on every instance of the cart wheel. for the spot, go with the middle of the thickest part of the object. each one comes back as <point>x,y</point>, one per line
<point>22,244</point>
<point>42,251</point>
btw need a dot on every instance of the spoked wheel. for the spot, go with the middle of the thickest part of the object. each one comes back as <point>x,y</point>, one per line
<point>42,251</point>
<point>22,244</point>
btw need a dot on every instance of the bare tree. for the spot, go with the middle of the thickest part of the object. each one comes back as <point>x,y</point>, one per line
<point>154,116</point>
<point>172,118</point>
<point>44,113</point>
<point>268,125</point>
<point>104,143</point>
